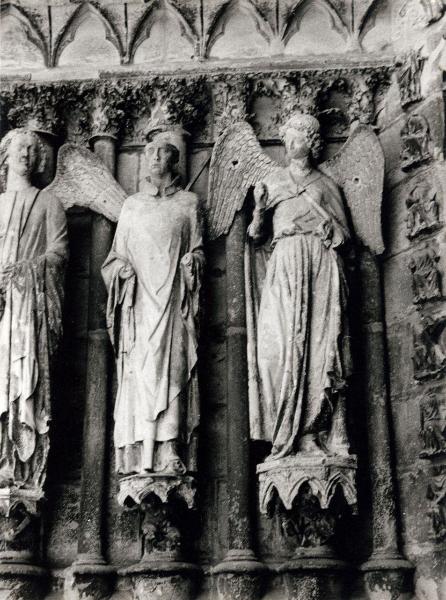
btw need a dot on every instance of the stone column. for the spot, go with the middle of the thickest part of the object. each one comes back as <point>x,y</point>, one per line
<point>90,577</point>
<point>386,570</point>
<point>239,574</point>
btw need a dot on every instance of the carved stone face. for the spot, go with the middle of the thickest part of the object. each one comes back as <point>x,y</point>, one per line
<point>161,158</point>
<point>296,144</point>
<point>22,154</point>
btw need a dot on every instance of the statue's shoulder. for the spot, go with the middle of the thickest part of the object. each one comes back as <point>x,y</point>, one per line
<point>327,183</point>
<point>189,198</point>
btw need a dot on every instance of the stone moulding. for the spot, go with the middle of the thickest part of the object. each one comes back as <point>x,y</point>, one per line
<point>322,473</point>
<point>135,488</point>
<point>11,497</point>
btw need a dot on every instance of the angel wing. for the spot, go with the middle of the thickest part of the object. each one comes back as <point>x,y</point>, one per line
<point>358,168</point>
<point>238,162</point>
<point>82,179</point>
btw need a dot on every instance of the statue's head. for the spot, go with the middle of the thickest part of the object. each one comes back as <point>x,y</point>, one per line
<point>301,136</point>
<point>162,154</point>
<point>22,152</point>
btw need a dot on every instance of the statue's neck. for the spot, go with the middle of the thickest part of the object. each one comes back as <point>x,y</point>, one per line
<point>16,182</point>
<point>300,167</point>
<point>161,182</point>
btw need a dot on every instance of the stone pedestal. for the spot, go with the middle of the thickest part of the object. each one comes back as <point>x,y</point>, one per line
<point>307,493</point>
<point>164,502</point>
<point>20,579</point>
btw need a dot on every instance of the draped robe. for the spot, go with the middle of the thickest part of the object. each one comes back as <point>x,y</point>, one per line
<point>152,319</point>
<point>33,253</point>
<point>298,349</point>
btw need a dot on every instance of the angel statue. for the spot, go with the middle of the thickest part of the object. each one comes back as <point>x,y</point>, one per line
<point>153,274</point>
<point>295,272</point>
<point>33,253</point>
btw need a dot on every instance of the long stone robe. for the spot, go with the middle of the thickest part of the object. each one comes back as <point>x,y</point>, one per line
<point>299,344</point>
<point>33,249</point>
<point>152,318</point>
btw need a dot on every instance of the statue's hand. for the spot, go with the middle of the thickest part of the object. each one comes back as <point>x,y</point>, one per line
<point>260,196</point>
<point>126,271</point>
<point>325,231</point>
<point>187,260</point>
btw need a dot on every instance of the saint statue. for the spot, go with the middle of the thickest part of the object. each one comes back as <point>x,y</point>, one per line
<point>295,274</point>
<point>33,254</point>
<point>153,275</point>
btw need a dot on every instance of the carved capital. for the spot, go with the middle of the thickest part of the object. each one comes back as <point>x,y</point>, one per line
<point>175,103</point>
<point>303,493</point>
<point>109,109</point>
<point>164,502</point>
<point>231,97</point>
<point>40,107</point>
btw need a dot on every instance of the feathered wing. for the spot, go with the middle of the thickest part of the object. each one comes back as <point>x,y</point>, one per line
<point>82,179</point>
<point>358,168</point>
<point>238,163</point>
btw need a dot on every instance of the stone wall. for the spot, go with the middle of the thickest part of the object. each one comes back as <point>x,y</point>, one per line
<point>74,70</point>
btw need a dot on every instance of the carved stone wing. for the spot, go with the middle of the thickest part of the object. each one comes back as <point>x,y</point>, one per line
<point>82,179</point>
<point>238,163</point>
<point>358,168</point>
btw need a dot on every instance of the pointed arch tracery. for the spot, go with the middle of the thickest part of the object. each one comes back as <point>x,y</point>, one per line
<point>30,29</point>
<point>297,14</point>
<point>224,15</point>
<point>148,20</point>
<point>85,11</point>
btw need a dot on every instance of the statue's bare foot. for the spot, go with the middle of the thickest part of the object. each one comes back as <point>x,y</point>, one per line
<point>175,465</point>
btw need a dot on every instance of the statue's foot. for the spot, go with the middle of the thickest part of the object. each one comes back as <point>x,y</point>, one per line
<point>175,465</point>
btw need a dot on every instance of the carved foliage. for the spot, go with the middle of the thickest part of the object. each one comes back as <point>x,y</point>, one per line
<point>230,101</point>
<point>408,74</point>
<point>416,142</point>
<point>426,278</point>
<point>433,424</point>
<point>423,211</point>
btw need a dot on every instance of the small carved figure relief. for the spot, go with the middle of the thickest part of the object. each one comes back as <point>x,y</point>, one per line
<point>436,494</point>
<point>153,275</point>
<point>416,142</point>
<point>409,71</point>
<point>433,425</point>
<point>429,350</point>
<point>33,253</point>
<point>426,278</point>
<point>423,211</point>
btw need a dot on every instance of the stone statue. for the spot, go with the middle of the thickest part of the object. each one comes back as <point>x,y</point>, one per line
<point>33,253</point>
<point>296,305</point>
<point>303,352</point>
<point>153,275</point>
<point>296,286</point>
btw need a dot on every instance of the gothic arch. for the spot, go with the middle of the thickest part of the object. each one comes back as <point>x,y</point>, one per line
<point>80,15</point>
<point>370,19</point>
<point>297,14</point>
<point>223,16</point>
<point>148,20</point>
<point>30,29</point>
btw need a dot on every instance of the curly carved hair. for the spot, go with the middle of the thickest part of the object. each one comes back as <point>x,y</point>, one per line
<point>40,161</point>
<point>307,124</point>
